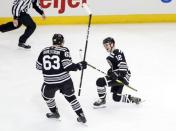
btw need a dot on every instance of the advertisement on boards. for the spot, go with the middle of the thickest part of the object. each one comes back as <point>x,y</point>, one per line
<point>98,7</point>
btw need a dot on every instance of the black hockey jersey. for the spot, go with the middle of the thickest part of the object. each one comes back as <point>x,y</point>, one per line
<point>118,64</point>
<point>23,6</point>
<point>53,62</point>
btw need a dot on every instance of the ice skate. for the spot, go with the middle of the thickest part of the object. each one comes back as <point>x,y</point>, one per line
<point>135,100</point>
<point>23,45</point>
<point>101,103</point>
<point>53,115</point>
<point>81,119</point>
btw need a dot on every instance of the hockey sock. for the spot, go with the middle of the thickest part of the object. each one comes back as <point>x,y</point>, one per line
<point>101,92</point>
<point>126,98</point>
<point>51,104</point>
<point>74,104</point>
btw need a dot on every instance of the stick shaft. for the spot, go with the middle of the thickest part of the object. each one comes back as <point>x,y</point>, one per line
<point>85,51</point>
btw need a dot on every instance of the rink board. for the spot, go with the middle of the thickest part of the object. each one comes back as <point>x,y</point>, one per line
<point>102,19</point>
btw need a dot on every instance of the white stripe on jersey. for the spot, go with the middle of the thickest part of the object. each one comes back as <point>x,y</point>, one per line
<point>56,78</point>
<point>27,5</point>
<point>20,6</point>
<point>55,74</point>
<point>66,63</point>
<point>57,82</point>
<point>38,65</point>
<point>122,66</point>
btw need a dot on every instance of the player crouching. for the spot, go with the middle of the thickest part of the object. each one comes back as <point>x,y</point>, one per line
<point>118,71</point>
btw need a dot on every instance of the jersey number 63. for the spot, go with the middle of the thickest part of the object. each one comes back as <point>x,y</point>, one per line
<point>50,62</point>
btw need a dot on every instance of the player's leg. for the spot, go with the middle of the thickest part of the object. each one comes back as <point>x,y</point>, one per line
<point>9,26</point>
<point>101,90</point>
<point>117,95</point>
<point>48,93</point>
<point>30,28</point>
<point>76,107</point>
<point>116,92</point>
<point>68,91</point>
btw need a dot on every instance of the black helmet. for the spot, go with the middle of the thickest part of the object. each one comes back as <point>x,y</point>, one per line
<point>58,39</point>
<point>108,40</point>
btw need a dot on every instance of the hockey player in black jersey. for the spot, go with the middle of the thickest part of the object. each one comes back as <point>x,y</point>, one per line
<point>118,71</point>
<point>55,62</point>
<point>20,16</point>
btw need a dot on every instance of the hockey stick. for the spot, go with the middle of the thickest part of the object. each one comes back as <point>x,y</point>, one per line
<point>107,75</point>
<point>80,55</point>
<point>87,37</point>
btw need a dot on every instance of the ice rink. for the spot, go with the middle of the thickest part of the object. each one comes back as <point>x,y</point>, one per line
<point>150,51</point>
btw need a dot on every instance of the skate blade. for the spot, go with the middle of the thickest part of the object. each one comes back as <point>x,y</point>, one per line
<point>21,48</point>
<point>54,119</point>
<point>83,124</point>
<point>99,107</point>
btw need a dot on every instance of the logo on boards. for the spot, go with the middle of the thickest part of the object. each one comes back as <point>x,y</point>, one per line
<point>61,4</point>
<point>166,1</point>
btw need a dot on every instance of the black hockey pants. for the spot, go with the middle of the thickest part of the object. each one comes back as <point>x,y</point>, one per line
<point>24,19</point>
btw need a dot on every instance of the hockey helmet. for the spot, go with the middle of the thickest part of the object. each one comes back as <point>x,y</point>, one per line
<point>58,39</point>
<point>109,40</point>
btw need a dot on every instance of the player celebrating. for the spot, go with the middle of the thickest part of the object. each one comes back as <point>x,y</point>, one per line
<point>118,71</point>
<point>20,16</point>
<point>55,63</point>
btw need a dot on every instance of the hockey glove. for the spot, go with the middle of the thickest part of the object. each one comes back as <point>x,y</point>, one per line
<point>109,71</point>
<point>124,76</point>
<point>124,80</point>
<point>113,75</point>
<point>82,65</point>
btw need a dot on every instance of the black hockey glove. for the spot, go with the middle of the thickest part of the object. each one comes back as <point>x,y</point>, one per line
<point>113,75</point>
<point>109,71</point>
<point>82,65</point>
<point>124,76</point>
<point>124,80</point>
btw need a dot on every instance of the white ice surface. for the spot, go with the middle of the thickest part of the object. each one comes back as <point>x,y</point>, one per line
<point>150,51</point>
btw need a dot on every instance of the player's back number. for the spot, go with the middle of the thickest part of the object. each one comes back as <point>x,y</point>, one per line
<point>50,62</point>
